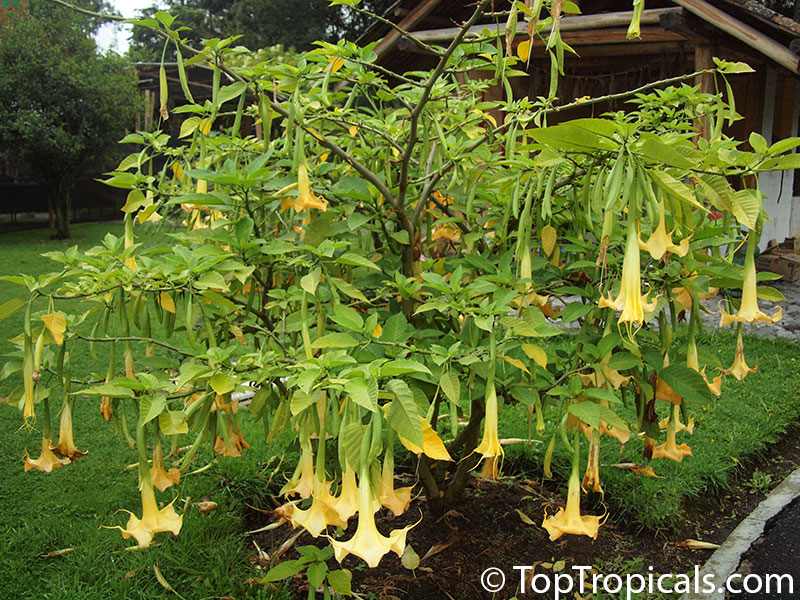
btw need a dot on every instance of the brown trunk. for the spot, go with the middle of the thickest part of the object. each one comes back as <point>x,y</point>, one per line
<point>58,196</point>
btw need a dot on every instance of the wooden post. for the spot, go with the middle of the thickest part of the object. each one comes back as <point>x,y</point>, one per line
<point>702,61</point>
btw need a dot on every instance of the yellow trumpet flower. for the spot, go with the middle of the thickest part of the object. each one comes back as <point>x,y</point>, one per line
<point>368,543</point>
<point>748,309</point>
<point>490,446</point>
<point>153,520</point>
<point>664,391</point>
<point>306,198</point>
<point>671,449</point>
<point>591,479</point>
<point>346,505</point>
<point>47,461</point>
<point>162,478</point>
<point>302,483</point>
<point>321,513</point>
<point>660,242</point>
<point>630,301</point>
<point>692,361</point>
<point>66,445</point>
<point>739,368</point>
<point>679,426</point>
<point>396,500</point>
<point>569,519</point>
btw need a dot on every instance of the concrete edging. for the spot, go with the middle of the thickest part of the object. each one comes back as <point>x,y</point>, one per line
<point>725,560</point>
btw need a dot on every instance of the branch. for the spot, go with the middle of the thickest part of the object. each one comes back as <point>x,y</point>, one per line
<point>104,17</point>
<point>134,339</point>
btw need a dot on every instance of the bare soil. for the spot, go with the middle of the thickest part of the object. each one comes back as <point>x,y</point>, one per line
<point>487,530</point>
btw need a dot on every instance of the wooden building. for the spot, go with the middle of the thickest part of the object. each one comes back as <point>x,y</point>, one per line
<point>677,37</point>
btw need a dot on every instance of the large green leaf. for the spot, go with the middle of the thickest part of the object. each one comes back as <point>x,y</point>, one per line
<point>151,406</point>
<point>686,382</point>
<point>335,340</point>
<point>363,392</point>
<point>402,415</point>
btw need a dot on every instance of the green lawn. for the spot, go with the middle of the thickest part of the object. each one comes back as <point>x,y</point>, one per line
<point>68,508</point>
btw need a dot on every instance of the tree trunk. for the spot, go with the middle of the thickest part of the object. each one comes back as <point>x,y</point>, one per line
<point>796,15</point>
<point>58,192</point>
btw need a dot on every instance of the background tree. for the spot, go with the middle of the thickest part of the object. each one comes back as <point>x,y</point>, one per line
<point>63,106</point>
<point>261,23</point>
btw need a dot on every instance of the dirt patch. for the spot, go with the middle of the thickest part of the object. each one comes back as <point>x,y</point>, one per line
<point>487,531</point>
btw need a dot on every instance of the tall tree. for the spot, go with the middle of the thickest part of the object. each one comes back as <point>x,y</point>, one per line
<point>63,106</point>
<point>261,23</point>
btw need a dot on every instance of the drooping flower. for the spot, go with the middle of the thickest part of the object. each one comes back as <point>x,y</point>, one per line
<point>569,519</point>
<point>679,425</point>
<point>153,520</point>
<point>302,482</point>
<point>490,446</point>
<point>346,504</point>
<point>670,448</point>
<point>306,198</point>
<point>739,368</point>
<point>162,478</point>
<point>66,445</point>
<point>692,361</point>
<point>591,479</point>
<point>748,309</point>
<point>396,500</point>
<point>322,511</point>
<point>47,460</point>
<point>630,301</point>
<point>368,543</point>
<point>660,242</point>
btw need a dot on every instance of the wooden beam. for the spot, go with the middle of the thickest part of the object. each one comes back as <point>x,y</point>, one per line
<point>574,23</point>
<point>743,32</point>
<point>422,10</point>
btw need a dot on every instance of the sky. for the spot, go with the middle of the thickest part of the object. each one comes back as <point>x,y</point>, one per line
<point>115,37</point>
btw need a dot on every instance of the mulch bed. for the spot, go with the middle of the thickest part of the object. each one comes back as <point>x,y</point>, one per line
<point>487,531</point>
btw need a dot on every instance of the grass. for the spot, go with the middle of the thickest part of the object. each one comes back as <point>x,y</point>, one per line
<point>70,507</point>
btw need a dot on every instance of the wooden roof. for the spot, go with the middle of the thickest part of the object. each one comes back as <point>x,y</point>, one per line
<point>751,31</point>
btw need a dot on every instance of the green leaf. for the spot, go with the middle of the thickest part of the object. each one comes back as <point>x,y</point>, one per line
<point>451,386</point>
<point>335,340</point>
<point>600,394</point>
<point>310,281</point>
<point>229,92</point>
<point>673,187</point>
<point>348,289</point>
<point>363,392</point>
<point>575,310</point>
<point>284,570</point>
<point>9,307</point>
<point>150,407</point>
<point>403,366</point>
<point>746,206</point>
<point>316,574</point>
<point>301,401</point>
<point>347,317</point>
<point>222,384</point>
<point>588,412</point>
<point>623,360</point>
<point>340,582</point>
<point>686,382</point>
<point>764,292</point>
<point>351,258</point>
<point>112,391</point>
<point>211,280</point>
<point>173,422</point>
<point>351,443</point>
<point>402,415</point>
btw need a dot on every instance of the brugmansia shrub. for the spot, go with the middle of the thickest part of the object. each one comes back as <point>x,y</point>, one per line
<point>383,266</point>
